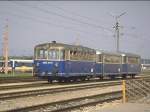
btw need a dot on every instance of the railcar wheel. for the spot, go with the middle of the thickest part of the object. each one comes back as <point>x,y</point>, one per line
<point>67,80</point>
<point>74,79</point>
<point>50,81</point>
<point>132,76</point>
<point>124,76</point>
<point>83,78</point>
<point>60,80</point>
<point>112,77</point>
<point>101,77</point>
<point>88,77</point>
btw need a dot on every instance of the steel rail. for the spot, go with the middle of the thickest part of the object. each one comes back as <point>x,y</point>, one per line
<point>29,93</point>
<point>75,103</point>
<point>41,84</point>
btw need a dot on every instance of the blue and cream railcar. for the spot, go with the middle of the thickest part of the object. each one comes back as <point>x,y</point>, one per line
<point>111,64</point>
<point>20,65</point>
<point>57,61</point>
<point>131,65</point>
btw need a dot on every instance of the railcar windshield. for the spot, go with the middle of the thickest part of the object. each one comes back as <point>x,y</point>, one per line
<point>19,64</point>
<point>50,54</point>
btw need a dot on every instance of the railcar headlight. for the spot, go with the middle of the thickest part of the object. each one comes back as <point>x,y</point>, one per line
<point>37,64</point>
<point>56,64</point>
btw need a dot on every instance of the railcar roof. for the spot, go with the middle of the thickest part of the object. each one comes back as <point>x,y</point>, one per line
<point>117,53</point>
<point>107,52</point>
<point>66,46</point>
<point>129,54</point>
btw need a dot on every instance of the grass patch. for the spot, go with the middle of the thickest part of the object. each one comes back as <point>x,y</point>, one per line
<point>18,75</point>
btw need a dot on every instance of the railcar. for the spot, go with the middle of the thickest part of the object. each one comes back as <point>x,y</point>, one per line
<point>23,66</point>
<point>119,64</point>
<point>62,62</point>
<point>111,65</point>
<point>131,64</point>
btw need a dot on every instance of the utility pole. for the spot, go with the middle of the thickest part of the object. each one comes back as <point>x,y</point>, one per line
<point>117,35</point>
<point>77,42</point>
<point>117,28</point>
<point>5,48</point>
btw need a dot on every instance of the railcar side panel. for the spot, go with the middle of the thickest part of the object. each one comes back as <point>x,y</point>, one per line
<point>98,69</point>
<point>112,69</point>
<point>79,68</point>
<point>133,68</point>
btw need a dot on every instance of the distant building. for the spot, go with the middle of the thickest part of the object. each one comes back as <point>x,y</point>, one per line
<point>145,64</point>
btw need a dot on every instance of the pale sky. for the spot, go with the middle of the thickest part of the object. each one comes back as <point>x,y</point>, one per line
<point>89,23</point>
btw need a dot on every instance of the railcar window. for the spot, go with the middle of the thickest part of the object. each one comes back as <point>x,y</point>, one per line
<point>19,64</point>
<point>81,55</point>
<point>2,64</point>
<point>53,54</point>
<point>45,54</point>
<point>41,55</point>
<point>9,64</point>
<point>133,60</point>
<point>112,59</point>
<point>99,58</point>
<point>62,54</point>
<point>124,59</point>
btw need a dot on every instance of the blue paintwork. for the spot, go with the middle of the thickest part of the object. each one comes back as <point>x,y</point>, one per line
<point>112,69</point>
<point>68,68</point>
<point>124,68</point>
<point>98,69</point>
<point>74,68</point>
<point>131,68</point>
<point>83,68</point>
<point>45,67</point>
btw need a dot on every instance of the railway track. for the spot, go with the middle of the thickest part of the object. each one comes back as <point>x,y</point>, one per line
<point>44,83</point>
<point>65,104</point>
<point>46,89</point>
<point>31,79</point>
<point>4,95</point>
<point>75,103</point>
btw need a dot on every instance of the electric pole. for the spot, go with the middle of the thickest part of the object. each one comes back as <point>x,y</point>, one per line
<point>117,28</point>
<point>77,42</point>
<point>117,35</point>
<point>5,48</point>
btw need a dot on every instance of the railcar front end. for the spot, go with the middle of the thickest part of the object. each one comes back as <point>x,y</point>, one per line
<point>55,61</point>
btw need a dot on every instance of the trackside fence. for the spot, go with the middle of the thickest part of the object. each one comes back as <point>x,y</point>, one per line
<point>136,90</point>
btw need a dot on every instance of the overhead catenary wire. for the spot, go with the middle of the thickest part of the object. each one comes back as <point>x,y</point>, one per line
<point>62,26</point>
<point>37,18</point>
<point>66,17</point>
<point>73,13</point>
<point>47,23</point>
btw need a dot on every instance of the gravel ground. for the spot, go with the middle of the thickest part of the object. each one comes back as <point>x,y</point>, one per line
<point>116,106</point>
<point>41,99</point>
<point>98,107</point>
